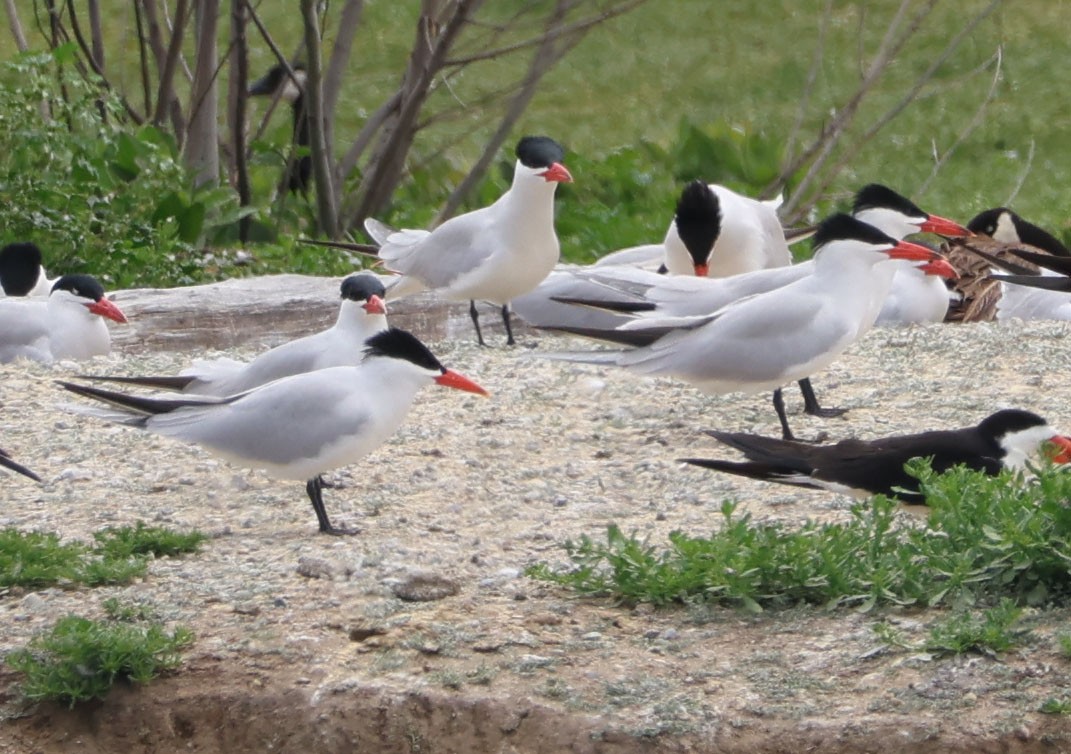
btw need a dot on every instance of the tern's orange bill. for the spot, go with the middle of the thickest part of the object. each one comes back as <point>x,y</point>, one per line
<point>943,226</point>
<point>106,308</point>
<point>908,250</point>
<point>557,172</point>
<point>458,381</point>
<point>1060,449</point>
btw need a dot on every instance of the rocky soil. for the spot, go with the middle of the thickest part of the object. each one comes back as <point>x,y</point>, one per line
<point>423,634</point>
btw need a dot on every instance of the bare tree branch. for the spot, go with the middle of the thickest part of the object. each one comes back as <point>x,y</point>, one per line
<point>314,108</point>
<point>584,24</point>
<point>348,24</point>
<point>975,121</point>
<point>95,33</point>
<point>165,93</point>
<point>201,151</point>
<point>850,153</point>
<point>808,87</point>
<point>16,27</point>
<point>1022,176</point>
<point>236,107</point>
<point>822,147</point>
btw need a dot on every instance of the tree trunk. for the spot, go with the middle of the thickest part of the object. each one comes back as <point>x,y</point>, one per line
<point>202,150</point>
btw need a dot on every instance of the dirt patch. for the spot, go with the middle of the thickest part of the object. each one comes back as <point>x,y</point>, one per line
<point>305,644</point>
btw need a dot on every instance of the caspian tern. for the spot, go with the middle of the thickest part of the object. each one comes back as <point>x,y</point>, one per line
<point>361,315</point>
<point>301,426</point>
<point>1036,296</point>
<point>982,298</point>
<point>68,325</point>
<point>645,295</point>
<point>715,232</point>
<point>278,83</point>
<point>495,253</point>
<point>767,340</point>
<point>21,273</point>
<point>1006,439</point>
<point>9,463</point>
<point>918,294</point>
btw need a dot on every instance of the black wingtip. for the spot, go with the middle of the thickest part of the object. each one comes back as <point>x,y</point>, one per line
<point>623,307</point>
<point>361,248</point>
<point>9,463</point>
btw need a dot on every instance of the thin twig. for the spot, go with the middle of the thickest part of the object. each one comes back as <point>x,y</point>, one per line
<point>1022,176</point>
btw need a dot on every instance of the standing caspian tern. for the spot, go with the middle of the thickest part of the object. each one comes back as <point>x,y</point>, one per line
<point>361,315</point>
<point>21,273</point>
<point>495,253</point>
<point>9,463</point>
<point>641,294</point>
<point>1006,439</point>
<point>68,325</point>
<point>764,341</point>
<point>301,426</point>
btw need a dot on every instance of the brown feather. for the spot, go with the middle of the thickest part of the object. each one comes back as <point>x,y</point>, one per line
<point>980,293</point>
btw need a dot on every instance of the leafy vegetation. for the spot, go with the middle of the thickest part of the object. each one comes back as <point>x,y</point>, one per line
<point>81,659</point>
<point>35,560</point>
<point>986,538</point>
<point>966,631</point>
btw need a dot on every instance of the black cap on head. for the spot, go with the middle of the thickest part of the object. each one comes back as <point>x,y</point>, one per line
<point>402,344</point>
<point>1026,232</point>
<point>986,222</point>
<point>20,266</point>
<point>362,287</point>
<point>876,196</point>
<point>698,220</point>
<point>1009,420</point>
<point>539,152</point>
<point>842,227</point>
<point>84,286</point>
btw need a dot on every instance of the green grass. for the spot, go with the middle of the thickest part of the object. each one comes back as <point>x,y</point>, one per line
<point>36,560</point>
<point>1020,551</point>
<point>80,659</point>
<point>989,632</point>
<point>628,101</point>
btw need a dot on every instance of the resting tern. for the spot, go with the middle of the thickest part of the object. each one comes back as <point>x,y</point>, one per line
<point>495,253</point>
<point>301,426</point>
<point>767,340</point>
<point>361,315</point>
<point>68,325</point>
<point>1006,439</point>
<point>715,232</point>
<point>7,462</point>
<point>21,273</point>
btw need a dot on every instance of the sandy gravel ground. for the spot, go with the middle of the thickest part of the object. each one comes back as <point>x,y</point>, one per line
<point>471,491</point>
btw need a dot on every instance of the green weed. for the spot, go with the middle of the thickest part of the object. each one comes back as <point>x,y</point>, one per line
<point>989,634</point>
<point>35,560</point>
<point>80,659</point>
<point>1021,552</point>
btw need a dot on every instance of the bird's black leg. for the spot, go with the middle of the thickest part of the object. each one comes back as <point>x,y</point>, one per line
<point>810,402</point>
<point>509,330</point>
<point>314,488</point>
<point>779,407</point>
<point>476,321</point>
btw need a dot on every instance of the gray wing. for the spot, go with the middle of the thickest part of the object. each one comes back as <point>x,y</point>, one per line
<point>279,424</point>
<point>440,257</point>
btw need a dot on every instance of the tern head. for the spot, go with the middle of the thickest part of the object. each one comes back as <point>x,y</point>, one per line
<point>20,266</point>
<point>542,156</point>
<point>845,233</point>
<point>1001,224</point>
<point>367,291</point>
<point>897,216</point>
<point>1019,435</point>
<point>278,80</point>
<point>86,291</point>
<point>698,221</point>
<point>406,347</point>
